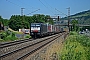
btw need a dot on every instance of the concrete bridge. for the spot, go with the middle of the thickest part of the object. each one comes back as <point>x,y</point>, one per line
<point>70,25</point>
<point>81,25</point>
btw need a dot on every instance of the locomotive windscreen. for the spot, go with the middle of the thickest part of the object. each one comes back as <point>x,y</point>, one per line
<point>35,24</point>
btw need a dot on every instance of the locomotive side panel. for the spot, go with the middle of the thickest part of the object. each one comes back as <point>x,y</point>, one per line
<point>43,29</point>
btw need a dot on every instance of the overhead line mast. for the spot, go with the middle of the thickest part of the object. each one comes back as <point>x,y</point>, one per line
<point>22,11</point>
<point>68,17</point>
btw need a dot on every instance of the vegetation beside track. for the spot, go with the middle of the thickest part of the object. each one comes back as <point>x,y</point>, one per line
<point>76,47</point>
<point>6,36</point>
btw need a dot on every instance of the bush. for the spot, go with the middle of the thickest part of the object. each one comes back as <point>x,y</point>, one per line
<point>27,36</point>
<point>13,34</point>
<point>10,38</point>
<point>84,40</point>
<point>73,33</point>
<point>77,47</point>
<point>3,35</point>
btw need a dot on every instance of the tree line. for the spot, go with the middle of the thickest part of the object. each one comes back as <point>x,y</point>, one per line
<point>17,22</point>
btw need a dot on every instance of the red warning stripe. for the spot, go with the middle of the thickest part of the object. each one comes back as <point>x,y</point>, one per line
<point>35,30</point>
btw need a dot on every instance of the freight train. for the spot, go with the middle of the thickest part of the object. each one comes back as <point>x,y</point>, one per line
<point>43,29</point>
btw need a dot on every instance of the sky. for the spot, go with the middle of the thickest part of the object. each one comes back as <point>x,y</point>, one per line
<point>46,7</point>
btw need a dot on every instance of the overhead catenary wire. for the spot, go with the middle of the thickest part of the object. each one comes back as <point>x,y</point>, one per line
<point>27,4</point>
<point>36,9</point>
<point>33,12</point>
<point>56,10</point>
<point>46,6</point>
<point>60,11</point>
<point>50,6</point>
<point>13,3</point>
<point>22,7</point>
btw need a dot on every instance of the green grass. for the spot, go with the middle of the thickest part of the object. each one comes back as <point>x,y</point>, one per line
<point>6,36</point>
<point>77,47</point>
<point>27,36</point>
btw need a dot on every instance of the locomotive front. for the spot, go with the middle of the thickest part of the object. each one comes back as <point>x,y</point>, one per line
<point>35,30</point>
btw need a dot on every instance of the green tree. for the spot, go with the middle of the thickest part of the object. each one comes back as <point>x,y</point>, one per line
<point>4,21</point>
<point>48,19</point>
<point>16,21</point>
<point>74,23</point>
<point>42,18</point>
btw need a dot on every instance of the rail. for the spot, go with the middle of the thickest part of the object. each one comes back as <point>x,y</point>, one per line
<point>23,52</point>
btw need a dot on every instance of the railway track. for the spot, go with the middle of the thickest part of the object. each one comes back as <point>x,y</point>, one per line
<point>3,45</point>
<point>10,46</point>
<point>22,52</point>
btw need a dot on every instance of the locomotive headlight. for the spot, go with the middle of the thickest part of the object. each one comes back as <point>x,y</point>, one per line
<point>38,28</point>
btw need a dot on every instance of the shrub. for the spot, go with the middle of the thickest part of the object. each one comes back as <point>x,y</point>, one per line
<point>77,47</point>
<point>13,34</point>
<point>3,35</point>
<point>27,36</point>
<point>10,38</point>
<point>73,33</point>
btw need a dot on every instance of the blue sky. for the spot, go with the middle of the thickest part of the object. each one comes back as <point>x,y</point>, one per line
<point>47,7</point>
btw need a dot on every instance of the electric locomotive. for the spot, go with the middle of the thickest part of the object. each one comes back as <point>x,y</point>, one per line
<point>38,30</point>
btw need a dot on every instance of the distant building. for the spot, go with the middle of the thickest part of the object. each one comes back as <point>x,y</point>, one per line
<point>26,31</point>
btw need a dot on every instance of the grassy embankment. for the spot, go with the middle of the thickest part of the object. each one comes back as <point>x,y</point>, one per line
<point>6,36</point>
<point>76,47</point>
